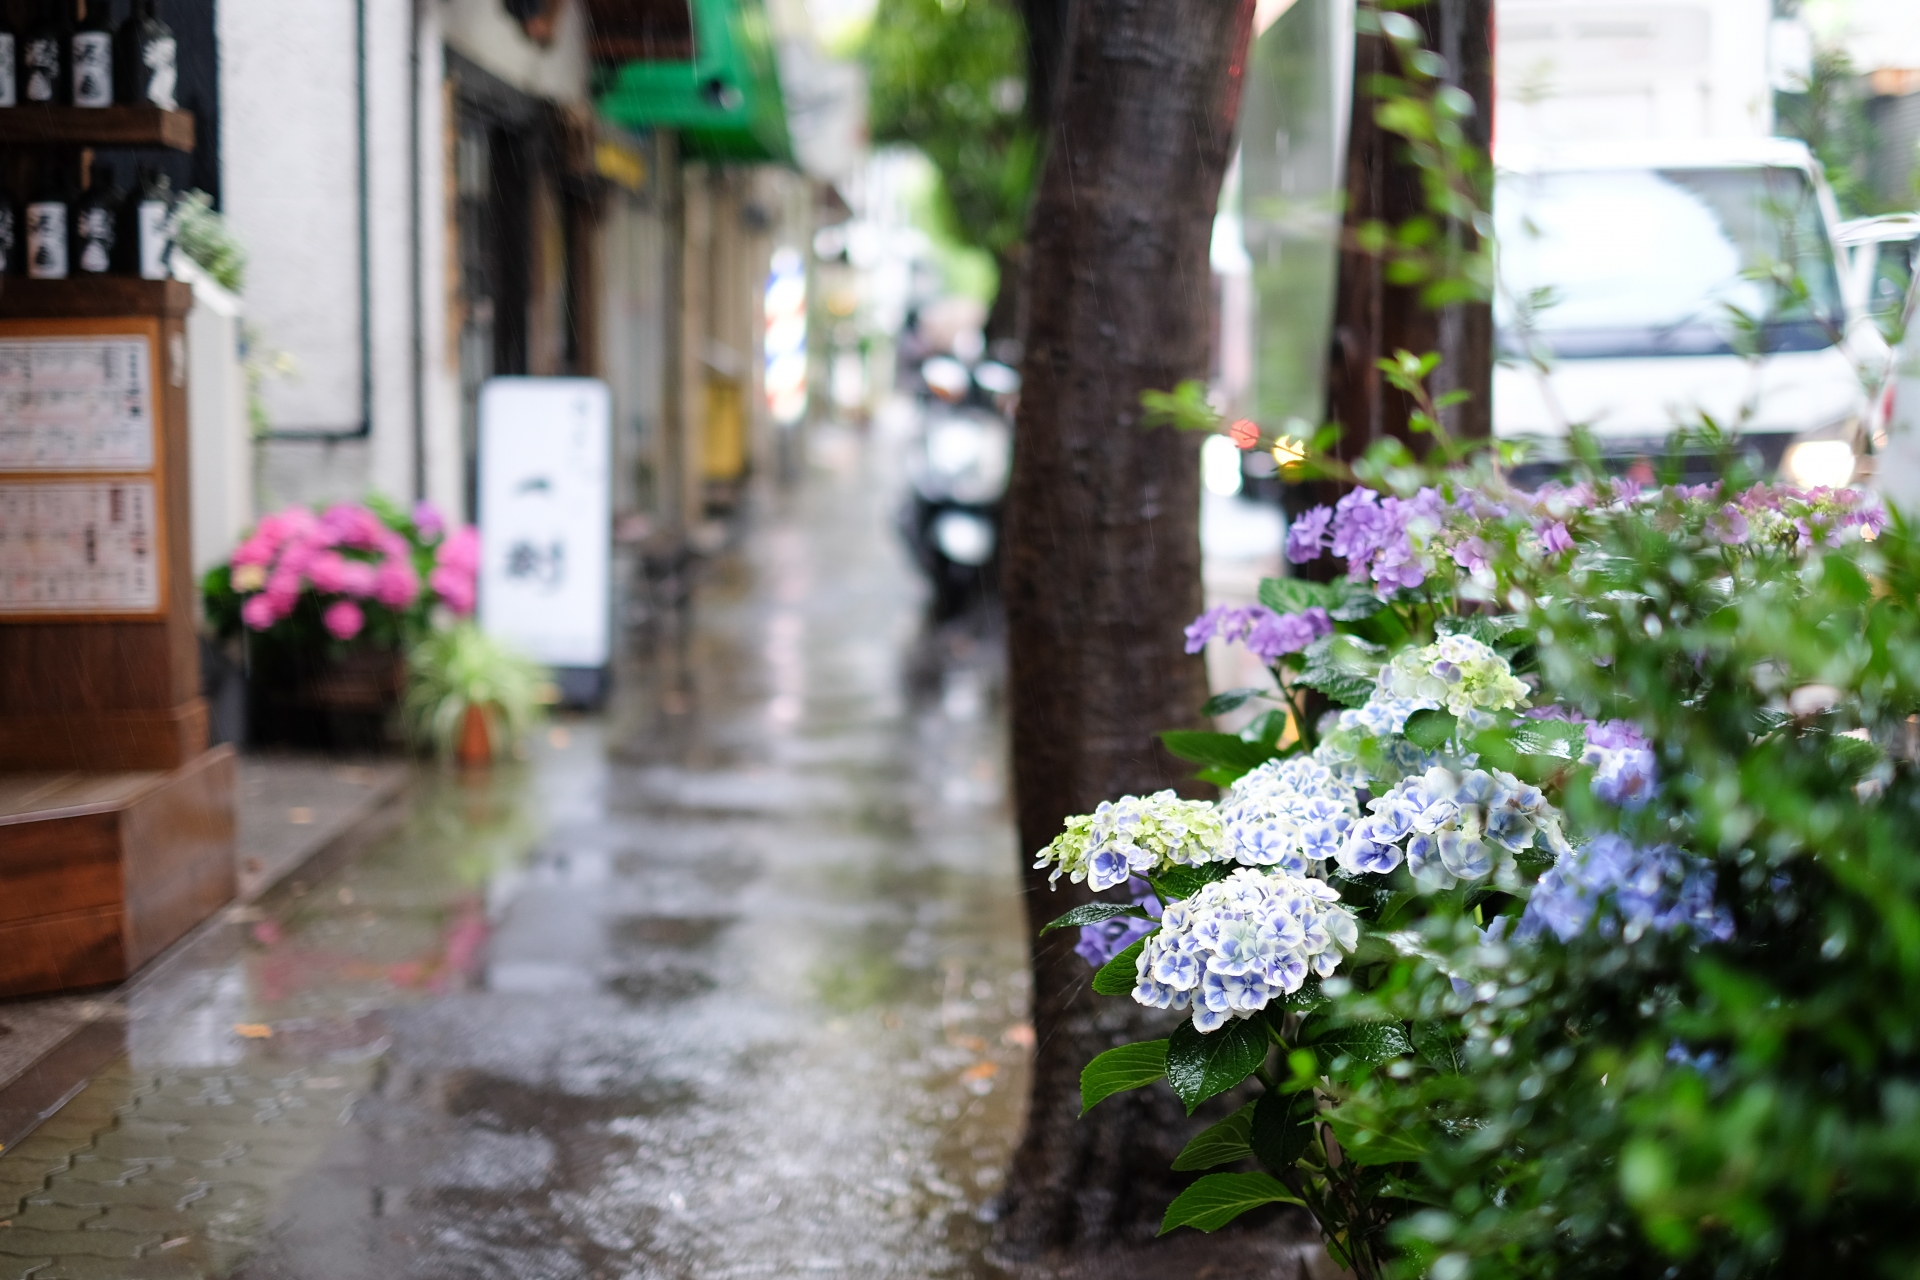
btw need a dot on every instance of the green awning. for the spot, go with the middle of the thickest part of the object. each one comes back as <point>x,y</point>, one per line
<point>725,103</point>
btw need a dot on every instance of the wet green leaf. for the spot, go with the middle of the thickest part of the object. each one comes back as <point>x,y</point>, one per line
<point>1095,913</point>
<point>1365,1139</point>
<point>1218,1144</point>
<point>1225,750</point>
<point>1438,1049</point>
<point>1282,1127</point>
<point>1296,595</point>
<point>1117,1070</point>
<point>1119,975</point>
<point>1369,1042</point>
<point>1184,882</point>
<point>1431,728</point>
<point>1221,703</point>
<point>1219,1198</point>
<point>1201,1066</point>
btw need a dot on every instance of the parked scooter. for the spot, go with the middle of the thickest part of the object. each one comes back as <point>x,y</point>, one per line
<point>957,470</point>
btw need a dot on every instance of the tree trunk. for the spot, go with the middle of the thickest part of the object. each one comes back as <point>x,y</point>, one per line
<point>1103,554</point>
<point>1373,319</point>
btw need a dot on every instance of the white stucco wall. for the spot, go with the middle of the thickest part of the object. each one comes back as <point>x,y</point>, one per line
<point>291,193</point>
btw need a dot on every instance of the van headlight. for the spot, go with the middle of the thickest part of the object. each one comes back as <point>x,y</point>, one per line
<point>1819,464</point>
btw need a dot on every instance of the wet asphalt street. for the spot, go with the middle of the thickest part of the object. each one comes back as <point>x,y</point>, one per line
<point>728,982</point>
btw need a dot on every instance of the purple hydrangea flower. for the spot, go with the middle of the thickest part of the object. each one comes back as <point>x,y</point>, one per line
<point>1276,633</point>
<point>1728,526</point>
<point>1473,555</point>
<point>1307,535</point>
<point>1101,942</point>
<point>1554,538</point>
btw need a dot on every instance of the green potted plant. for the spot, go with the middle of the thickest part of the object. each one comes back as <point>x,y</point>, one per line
<point>471,697</point>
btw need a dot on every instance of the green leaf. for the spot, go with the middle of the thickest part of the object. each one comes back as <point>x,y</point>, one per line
<point>1438,1049</point>
<point>1184,882</point>
<point>1282,1127</point>
<point>1221,703</point>
<point>1356,603</point>
<point>1119,975</point>
<point>1218,1144</point>
<point>1296,595</point>
<point>1095,913</point>
<point>1487,630</point>
<point>1226,750</point>
<point>1342,667</point>
<point>1201,1066</point>
<point>1267,728</point>
<point>1368,1042</point>
<point>1219,1198</point>
<point>1853,756</point>
<point>1430,729</point>
<point>1555,738</point>
<point>1117,1070</point>
<point>1365,1139</point>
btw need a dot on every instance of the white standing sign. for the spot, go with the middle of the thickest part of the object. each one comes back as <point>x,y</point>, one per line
<point>545,517</point>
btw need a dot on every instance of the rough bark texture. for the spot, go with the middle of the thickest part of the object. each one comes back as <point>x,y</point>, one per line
<point>1103,560</point>
<point>1373,319</point>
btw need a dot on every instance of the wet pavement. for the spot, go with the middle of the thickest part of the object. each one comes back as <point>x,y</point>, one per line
<point>729,982</point>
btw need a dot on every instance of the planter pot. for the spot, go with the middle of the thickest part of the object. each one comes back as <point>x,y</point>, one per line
<point>476,740</point>
<point>332,698</point>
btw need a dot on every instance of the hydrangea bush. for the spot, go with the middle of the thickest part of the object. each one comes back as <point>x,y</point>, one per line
<point>1559,916</point>
<point>352,572</point>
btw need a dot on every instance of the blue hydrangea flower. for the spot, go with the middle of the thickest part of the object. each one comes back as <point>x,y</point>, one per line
<point>1618,888</point>
<point>1450,827</point>
<point>1292,814</point>
<point>1227,951</point>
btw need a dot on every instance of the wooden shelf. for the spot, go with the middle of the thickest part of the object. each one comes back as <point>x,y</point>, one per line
<point>93,296</point>
<point>96,127</point>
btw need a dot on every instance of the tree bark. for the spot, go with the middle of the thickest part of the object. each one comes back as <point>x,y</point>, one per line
<point>1373,319</point>
<point>1103,554</point>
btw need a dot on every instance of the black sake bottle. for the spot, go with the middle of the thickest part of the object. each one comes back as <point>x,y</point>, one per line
<point>10,231</point>
<point>90,68</point>
<point>96,225</point>
<point>43,56</point>
<point>149,60</point>
<point>50,220</point>
<point>9,62</point>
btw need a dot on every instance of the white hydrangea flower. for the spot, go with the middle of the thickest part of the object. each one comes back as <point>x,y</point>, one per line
<point>1134,835</point>
<point>1227,951</point>
<point>1293,814</point>
<point>1450,827</point>
<point>1459,673</point>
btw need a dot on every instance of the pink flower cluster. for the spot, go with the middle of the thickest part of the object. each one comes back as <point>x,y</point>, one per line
<point>351,554</point>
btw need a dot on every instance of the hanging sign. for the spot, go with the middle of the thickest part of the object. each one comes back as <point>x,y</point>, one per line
<point>545,517</point>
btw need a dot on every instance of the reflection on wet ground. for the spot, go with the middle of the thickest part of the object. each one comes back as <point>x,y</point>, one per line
<point>727,983</point>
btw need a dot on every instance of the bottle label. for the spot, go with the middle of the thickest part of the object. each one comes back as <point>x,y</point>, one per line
<point>156,244</point>
<point>9,90</point>
<point>96,239</point>
<point>92,69</point>
<point>159,60</point>
<point>42,63</point>
<point>47,241</point>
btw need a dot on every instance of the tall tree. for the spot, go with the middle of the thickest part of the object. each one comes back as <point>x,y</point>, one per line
<point>1103,554</point>
<point>1381,305</point>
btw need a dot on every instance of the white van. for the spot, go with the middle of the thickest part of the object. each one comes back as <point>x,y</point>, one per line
<point>1624,272</point>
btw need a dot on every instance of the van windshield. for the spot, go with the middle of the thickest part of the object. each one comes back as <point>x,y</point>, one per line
<point>1659,262</point>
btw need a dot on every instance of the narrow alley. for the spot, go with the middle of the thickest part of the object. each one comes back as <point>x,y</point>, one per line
<point>729,982</point>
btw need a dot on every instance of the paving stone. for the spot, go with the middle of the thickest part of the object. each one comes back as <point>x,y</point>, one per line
<point>119,1144</point>
<point>147,1195</point>
<point>169,1221</point>
<point>26,1243</point>
<point>179,1263</point>
<point>53,1217</point>
<point>12,1268</point>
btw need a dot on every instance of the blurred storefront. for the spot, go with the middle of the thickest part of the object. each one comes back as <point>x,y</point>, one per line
<point>452,190</point>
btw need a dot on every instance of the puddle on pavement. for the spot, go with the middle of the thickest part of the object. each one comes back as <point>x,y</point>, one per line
<point>727,983</point>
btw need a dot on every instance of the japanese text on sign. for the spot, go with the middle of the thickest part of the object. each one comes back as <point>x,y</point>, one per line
<point>76,404</point>
<point>78,548</point>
